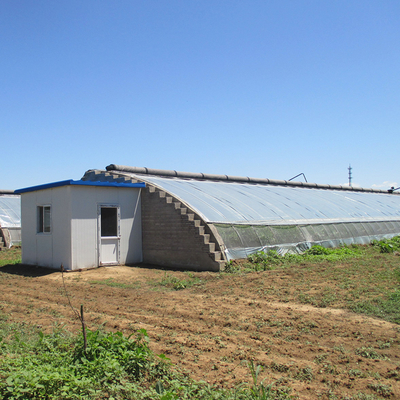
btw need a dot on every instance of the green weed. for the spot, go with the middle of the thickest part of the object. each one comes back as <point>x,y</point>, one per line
<point>387,245</point>
<point>260,391</point>
<point>304,374</point>
<point>280,367</point>
<point>381,389</point>
<point>363,396</point>
<point>369,352</point>
<point>356,373</point>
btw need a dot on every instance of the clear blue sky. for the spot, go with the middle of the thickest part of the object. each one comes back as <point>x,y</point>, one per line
<point>263,88</point>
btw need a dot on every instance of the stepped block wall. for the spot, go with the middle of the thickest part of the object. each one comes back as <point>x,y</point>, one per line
<point>173,236</point>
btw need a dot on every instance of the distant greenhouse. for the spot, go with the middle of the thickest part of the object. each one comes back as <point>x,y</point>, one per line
<point>129,215</point>
<point>10,218</point>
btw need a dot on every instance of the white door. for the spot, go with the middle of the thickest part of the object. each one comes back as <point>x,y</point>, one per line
<point>109,234</point>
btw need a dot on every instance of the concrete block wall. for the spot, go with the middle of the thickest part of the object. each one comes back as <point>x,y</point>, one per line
<point>172,236</point>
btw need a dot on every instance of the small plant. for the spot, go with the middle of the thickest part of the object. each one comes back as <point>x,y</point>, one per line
<point>328,368</point>
<point>280,367</point>
<point>394,374</point>
<point>340,348</point>
<point>320,358</point>
<point>264,261</point>
<point>385,345</point>
<point>369,352</point>
<point>304,374</point>
<point>258,390</point>
<point>231,267</point>
<point>317,250</point>
<point>356,373</point>
<point>363,396</point>
<point>381,389</point>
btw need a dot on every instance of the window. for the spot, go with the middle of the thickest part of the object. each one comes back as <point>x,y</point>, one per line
<point>44,219</point>
<point>109,221</point>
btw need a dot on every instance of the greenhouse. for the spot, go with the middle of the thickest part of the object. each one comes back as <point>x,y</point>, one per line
<point>186,216</point>
<point>10,218</point>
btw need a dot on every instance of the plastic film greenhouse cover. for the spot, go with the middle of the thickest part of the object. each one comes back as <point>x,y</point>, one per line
<point>252,217</point>
<point>10,211</point>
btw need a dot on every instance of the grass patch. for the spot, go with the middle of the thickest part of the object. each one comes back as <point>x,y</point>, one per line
<point>10,256</point>
<point>387,307</point>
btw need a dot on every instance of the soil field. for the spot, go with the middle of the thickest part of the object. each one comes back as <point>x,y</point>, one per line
<point>217,323</point>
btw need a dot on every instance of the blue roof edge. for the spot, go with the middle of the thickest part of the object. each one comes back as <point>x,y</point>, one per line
<point>71,182</point>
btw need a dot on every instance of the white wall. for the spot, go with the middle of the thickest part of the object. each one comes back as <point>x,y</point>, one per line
<point>84,203</point>
<point>84,227</point>
<point>61,226</point>
<point>46,249</point>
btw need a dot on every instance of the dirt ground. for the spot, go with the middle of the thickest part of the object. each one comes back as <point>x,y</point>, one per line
<point>214,327</point>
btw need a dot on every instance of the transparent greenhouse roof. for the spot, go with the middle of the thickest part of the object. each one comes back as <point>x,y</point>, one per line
<point>241,203</point>
<point>10,211</point>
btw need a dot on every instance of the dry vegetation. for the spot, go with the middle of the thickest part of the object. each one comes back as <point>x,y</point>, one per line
<point>325,329</point>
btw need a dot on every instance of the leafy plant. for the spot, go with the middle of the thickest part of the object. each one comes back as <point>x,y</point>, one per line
<point>304,374</point>
<point>387,245</point>
<point>258,390</point>
<point>369,352</point>
<point>317,250</point>
<point>381,389</point>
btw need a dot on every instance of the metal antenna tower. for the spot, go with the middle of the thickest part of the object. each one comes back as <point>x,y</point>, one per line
<point>349,174</point>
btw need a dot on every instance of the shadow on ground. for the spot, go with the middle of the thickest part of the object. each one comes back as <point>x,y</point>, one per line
<point>26,270</point>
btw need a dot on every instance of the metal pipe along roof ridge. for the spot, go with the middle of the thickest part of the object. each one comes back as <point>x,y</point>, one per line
<point>240,179</point>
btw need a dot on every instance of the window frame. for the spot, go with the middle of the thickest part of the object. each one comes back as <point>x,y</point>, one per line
<point>43,221</point>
